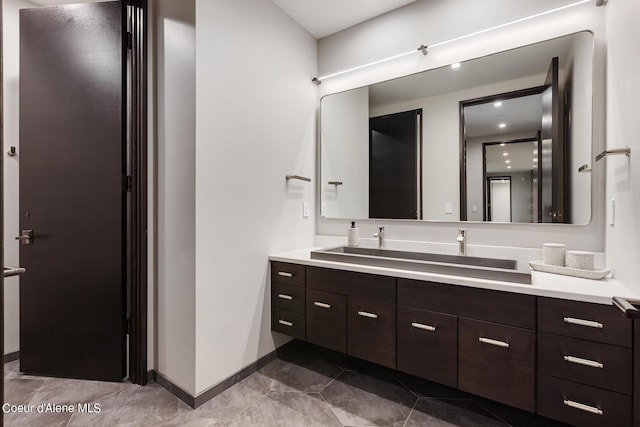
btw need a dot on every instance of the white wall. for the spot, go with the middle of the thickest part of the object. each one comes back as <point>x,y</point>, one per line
<point>176,151</point>
<point>623,174</point>
<point>344,126</point>
<point>255,123</point>
<point>11,79</point>
<point>433,21</point>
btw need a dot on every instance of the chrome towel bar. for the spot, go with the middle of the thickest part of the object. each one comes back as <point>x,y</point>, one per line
<point>301,178</point>
<point>626,151</point>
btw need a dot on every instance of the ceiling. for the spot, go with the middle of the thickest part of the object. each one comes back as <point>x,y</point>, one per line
<point>324,17</point>
<point>319,17</point>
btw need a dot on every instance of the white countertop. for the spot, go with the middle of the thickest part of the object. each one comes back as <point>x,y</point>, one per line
<point>542,284</point>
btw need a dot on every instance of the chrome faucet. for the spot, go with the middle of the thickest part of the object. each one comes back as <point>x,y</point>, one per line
<point>380,236</point>
<point>462,242</point>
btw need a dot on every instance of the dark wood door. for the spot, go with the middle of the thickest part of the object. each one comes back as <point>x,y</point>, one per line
<point>73,301</point>
<point>394,175</point>
<point>552,174</point>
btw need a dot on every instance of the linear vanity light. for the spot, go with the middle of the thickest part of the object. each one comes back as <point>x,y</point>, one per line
<point>424,48</point>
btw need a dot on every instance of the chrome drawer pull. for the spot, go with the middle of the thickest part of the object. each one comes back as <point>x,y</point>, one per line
<point>424,327</point>
<point>287,297</point>
<point>583,407</point>
<point>367,314</point>
<point>494,342</point>
<point>321,304</point>
<point>285,323</point>
<point>582,322</point>
<point>285,274</point>
<point>585,362</point>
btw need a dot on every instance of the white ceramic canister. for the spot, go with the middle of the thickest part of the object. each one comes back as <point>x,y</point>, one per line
<point>554,253</point>
<point>582,260</point>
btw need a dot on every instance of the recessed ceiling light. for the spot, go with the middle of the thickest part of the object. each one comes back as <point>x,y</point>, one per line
<point>505,154</point>
<point>502,125</point>
<point>507,161</point>
<point>503,144</point>
<point>456,65</point>
<point>497,104</point>
<point>508,167</point>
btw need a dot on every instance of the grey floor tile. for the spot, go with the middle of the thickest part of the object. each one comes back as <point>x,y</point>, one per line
<point>36,419</point>
<point>226,405</point>
<point>20,391</point>
<point>286,409</point>
<point>368,400</point>
<point>133,406</point>
<point>67,391</point>
<point>450,412</point>
<point>424,388</point>
<point>310,377</point>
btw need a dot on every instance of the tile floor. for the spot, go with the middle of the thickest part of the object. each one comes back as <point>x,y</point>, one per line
<point>304,387</point>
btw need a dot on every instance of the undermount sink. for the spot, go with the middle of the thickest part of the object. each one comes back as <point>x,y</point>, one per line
<point>458,265</point>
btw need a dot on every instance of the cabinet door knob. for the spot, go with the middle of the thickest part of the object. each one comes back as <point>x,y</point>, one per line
<point>497,343</point>
<point>423,327</point>
<point>584,362</point>
<point>367,314</point>
<point>582,322</point>
<point>321,304</point>
<point>583,407</point>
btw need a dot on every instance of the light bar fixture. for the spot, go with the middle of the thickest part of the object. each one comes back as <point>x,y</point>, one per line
<point>424,48</point>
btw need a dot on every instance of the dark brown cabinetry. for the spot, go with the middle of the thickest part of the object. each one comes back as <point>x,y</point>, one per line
<point>497,362</point>
<point>566,360</point>
<point>371,331</point>
<point>287,299</point>
<point>327,320</point>
<point>584,363</point>
<point>427,345</point>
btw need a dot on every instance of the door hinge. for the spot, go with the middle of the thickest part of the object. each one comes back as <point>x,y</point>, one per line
<point>129,40</point>
<point>127,183</point>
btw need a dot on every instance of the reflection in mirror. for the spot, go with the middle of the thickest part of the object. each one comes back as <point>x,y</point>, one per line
<point>446,175</point>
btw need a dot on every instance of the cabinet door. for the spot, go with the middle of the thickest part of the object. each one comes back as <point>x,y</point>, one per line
<point>428,345</point>
<point>371,331</point>
<point>581,405</point>
<point>497,362</point>
<point>327,320</point>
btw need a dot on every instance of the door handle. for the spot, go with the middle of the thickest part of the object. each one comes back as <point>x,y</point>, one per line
<point>26,238</point>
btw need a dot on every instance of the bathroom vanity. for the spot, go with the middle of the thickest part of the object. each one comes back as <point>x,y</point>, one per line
<point>555,347</point>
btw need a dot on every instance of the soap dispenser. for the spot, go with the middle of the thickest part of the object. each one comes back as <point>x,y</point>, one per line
<point>353,235</point>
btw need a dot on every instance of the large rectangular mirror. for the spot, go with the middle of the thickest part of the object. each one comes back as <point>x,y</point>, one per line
<point>503,138</point>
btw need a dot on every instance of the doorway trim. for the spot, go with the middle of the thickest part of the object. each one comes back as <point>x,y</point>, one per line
<point>137,183</point>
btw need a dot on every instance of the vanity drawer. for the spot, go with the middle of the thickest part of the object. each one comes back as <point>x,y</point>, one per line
<point>327,320</point>
<point>288,323</point>
<point>287,297</point>
<point>369,286</point>
<point>428,345</point>
<point>497,362</point>
<point>289,274</point>
<point>493,306</point>
<point>594,322</point>
<point>581,405</point>
<point>371,331</point>
<point>599,365</point>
